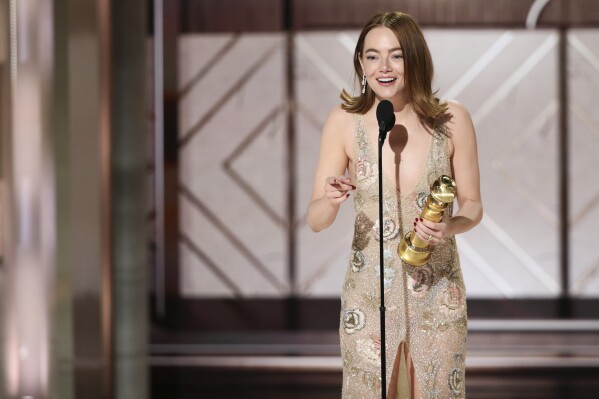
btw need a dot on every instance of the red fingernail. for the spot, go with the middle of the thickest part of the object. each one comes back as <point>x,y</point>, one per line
<point>414,223</point>
<point>416,219</point>
<point>421,219</point>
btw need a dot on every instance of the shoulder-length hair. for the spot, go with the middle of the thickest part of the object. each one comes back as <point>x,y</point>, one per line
<point>418,69</point>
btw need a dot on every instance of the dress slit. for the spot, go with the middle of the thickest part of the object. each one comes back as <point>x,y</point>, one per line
<point>402,380</point>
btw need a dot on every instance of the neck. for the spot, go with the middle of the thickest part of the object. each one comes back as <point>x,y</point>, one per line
<point>400,104</point>
<point>401,107</point>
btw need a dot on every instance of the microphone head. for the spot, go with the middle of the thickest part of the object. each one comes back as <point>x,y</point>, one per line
<point>385,115</point>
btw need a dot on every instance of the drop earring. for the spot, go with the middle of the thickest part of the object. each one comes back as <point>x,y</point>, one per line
<point>363,84</point>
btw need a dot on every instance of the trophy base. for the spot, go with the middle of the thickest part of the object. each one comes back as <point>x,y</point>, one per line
<point>411,254</point>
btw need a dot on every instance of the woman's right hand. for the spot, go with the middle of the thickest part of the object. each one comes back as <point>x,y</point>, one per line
<point>333,163</point>
<point>336,189</point>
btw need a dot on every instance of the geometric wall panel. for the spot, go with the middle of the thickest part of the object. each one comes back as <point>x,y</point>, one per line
<point>583,73</point>
<point>232,166</point>
<point>323,66</point>
<point>508,81</point>
<point>233,169</point>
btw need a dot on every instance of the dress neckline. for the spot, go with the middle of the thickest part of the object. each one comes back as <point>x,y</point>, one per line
<point>374,152</point>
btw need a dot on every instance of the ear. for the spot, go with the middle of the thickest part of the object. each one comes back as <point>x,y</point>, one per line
<point>360,60</point>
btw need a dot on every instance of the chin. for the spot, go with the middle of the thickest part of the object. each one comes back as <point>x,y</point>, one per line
<point>387,95</point>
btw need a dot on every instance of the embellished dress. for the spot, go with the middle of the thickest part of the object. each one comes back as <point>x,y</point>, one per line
<point>426,305</point>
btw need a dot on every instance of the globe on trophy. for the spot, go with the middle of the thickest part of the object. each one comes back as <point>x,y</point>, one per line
<point>414,250</point>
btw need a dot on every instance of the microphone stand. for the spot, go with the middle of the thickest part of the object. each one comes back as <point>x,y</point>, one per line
<point>382,135</point>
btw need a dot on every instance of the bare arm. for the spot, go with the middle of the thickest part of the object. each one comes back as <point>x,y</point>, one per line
<point>465,171</point>
<point>330,187</point>
<point>464,163</point>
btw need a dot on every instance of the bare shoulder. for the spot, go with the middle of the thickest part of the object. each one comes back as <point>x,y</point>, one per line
<point>339,119</point>
<point>338,129</point>
<point>459,124</point>
<point>460,117</point>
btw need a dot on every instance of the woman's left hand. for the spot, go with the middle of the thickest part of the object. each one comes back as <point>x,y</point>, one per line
<point>430,231</point>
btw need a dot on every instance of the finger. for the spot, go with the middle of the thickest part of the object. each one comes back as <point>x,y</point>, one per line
<point>418,222</point>
<point>426,231</point>
<point>337,190</point>
<point>425,234</point>
<point>349,183</point>
<point>437,231</point>
<point>345,180</point>
<point>428,227</point>
<point>341,183</point>
<point>432,225</point>
<point>339,200</point>
<point>420,234</point>
<point>333,182</point>
<point>333,187</point>
<point>346,187</point>
<point>334,194</point>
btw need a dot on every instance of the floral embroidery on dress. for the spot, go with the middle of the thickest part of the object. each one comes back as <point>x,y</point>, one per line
<point>349,284</point>
<point>371,380</point>
<point>372,299</point>
<point>357,261</point>
<point>353,320</point>
<point>362,227</point>
<point>420,280</point>
<point>359,199</point>
<point>456,376</point>
<point>387,254</point>
<point>389,274</point>
<point>348,358</point>
<point>430,377</point>
<point>371,349</point>
<point>451,301</point>
<point>426,321</point>
<point>366,173</point>
<point>390,229</point>
<point>421,199</point>
<point>455,381</point>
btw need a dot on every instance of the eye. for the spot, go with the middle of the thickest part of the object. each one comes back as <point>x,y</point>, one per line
<point>371,57</point>
<point>397,56</point>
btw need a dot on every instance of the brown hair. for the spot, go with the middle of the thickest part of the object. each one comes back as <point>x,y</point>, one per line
<point>418,69</point>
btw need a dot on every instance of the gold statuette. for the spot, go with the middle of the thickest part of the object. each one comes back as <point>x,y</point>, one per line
<point>413,249</point>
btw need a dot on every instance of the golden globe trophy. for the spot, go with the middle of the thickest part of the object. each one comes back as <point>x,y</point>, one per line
<point>414,250</point>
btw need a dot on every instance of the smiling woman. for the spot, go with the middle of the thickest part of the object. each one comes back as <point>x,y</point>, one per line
<point>426,305</point>
<point>384,66</point>
<point>406,50</point>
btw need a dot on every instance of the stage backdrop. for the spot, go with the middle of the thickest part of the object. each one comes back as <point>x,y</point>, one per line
<point>240,163</point>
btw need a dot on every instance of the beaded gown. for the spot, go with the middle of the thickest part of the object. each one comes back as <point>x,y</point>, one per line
<point>426,305</point>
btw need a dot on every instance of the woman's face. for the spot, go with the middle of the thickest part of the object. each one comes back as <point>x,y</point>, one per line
<point>382,63</point>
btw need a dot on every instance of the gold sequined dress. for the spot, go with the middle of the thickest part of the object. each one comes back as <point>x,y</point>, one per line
<point>426,306</point>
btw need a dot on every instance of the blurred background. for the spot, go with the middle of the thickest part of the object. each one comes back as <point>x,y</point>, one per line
<point>157,161</point>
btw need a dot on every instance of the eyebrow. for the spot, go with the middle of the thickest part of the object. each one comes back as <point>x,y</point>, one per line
<point>376,51</point>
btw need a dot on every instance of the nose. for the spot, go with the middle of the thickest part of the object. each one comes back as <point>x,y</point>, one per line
<point>385,64</point>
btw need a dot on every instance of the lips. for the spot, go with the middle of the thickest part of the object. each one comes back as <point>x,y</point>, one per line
<point>386,80</point>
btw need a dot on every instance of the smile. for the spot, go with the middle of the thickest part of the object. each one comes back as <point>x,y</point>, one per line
<point>386,80</point>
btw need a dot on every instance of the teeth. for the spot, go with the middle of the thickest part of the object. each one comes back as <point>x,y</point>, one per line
<point>386,80</point>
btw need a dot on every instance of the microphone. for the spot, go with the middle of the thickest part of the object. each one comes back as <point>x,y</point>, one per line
<point>385,117</point>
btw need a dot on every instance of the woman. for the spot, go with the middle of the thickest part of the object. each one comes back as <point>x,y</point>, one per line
<point>426,308</point>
